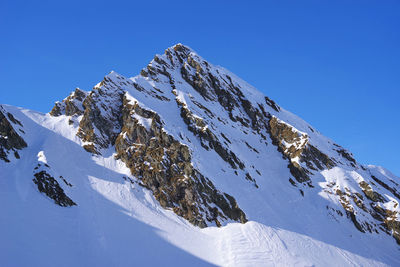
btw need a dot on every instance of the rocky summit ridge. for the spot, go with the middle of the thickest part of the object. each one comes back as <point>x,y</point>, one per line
<point>210,148</point>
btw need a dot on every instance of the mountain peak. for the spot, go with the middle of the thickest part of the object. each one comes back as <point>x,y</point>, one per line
<point>188,140</point>
<point>179,47</point>
<point>113,74</point>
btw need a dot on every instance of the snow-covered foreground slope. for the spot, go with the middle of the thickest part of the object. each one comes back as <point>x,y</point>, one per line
<point>99,181</point>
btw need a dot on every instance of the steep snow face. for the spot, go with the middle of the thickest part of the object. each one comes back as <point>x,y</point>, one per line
<point>128,170</point>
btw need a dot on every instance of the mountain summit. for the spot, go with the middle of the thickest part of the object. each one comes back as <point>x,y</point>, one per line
<point>186,164</point>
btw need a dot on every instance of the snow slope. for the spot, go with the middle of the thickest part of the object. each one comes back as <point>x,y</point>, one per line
<point>118,222</point>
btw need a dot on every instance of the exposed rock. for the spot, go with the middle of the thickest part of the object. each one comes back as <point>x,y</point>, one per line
<point>387,187</point>
<point>299,173</point>
<point>222,89</point>
<point>347,155</point>
<point>312,156</point>
<point>290,141</point>
<point>10,141</point>
<point>101,121</point>
<point>294,146</point>
<point>389,220</point>
<point>350,214</point>
<point>70,106</point>
<point>13,119</point>
<point>374,196</point>
<point>163,165</point>
<point>272,104</point>
<point>48,185</point>
<point>354,205</point>
<point>208,140</point>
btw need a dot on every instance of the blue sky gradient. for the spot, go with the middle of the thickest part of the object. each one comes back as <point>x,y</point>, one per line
<point>336,64</point>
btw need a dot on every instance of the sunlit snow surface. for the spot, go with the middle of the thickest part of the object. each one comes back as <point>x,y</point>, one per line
<point>119,223</point>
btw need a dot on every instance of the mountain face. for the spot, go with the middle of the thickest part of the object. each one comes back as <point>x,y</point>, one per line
<point>188,161</point>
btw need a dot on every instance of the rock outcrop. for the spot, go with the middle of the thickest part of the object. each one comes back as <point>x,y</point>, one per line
<point>49,186</point>
<point>10,140</point>
<point>101,121</point>
<point>163,165</point>
<point>294,146</point>
<point>70,106</point>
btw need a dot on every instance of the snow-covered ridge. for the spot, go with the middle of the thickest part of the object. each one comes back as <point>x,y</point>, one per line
<point>186,143</point>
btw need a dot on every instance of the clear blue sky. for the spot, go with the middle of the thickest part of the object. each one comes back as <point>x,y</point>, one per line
<point>334,63</point>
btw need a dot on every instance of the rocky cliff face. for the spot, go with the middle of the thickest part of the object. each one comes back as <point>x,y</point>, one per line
<point>188,131</point>
<point>293,144</point>
<point>10,140</point>
<point>70,106</point>
<point>164,165</point>
<point>369,210</point>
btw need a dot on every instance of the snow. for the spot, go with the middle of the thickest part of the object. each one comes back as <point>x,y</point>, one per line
<point>143,121</point>
<point>119,223</point>
<point>41,157</point>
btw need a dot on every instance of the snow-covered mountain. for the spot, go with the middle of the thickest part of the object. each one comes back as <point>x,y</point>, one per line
<point>186,165</point>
